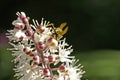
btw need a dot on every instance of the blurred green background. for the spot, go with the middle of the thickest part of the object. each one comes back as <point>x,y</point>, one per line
<point>93,31</point>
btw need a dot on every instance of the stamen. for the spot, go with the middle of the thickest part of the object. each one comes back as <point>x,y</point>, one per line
<point>18,13</point>
<point>42,21</point>
<point>37,23</point>
<point>33,27</point>
<point>34,23</point>
<point>45,23</point>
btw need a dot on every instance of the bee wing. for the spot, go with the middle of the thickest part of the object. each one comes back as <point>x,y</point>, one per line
<point>63,25</point>
<point>65,31</point>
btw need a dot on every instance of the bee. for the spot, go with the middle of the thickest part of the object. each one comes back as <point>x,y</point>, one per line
<point>59,31</point>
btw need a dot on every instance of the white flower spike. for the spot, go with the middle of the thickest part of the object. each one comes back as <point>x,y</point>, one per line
<point>40,53</point>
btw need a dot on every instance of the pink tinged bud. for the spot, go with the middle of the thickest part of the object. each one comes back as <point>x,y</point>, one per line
<point>26,49</point>
<point>57,57</point>
<point>18,24</point>
<point>62,68</point>
<point>35,63</point>
<point>22,15</point>
<point>19,27</point>
<point>21,37</point>
<point>46,72</point>
<point>51,58</point>
<point>40,28</point>
<point>41,45</point>
<point>50,39</point>
<point>25,20</point>
<point>20,34</point>
<point>52,43</point>
<point>36,59</point>
<point>29,32</point>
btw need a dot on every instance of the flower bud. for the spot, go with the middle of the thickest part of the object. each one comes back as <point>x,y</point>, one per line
<point>41,45</point>
<point>50,39</point>
<point>40,28</point>
<point>25,20</point>
<point>20,35</point>
<point>36,59</point>
<point>51,58</point>
<point>62,68</point>
<point>22,15</point>
<point>46,72</point>
<point>28,51</point>
<point>21,38</point>
<point>29,32</point>
<point>52,43</point>
<point>19,27</point>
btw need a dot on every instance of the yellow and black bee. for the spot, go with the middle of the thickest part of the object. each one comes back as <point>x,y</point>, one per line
<point>59,31</point>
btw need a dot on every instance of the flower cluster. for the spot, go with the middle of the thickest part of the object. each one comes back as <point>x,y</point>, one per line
<point>39,51</point>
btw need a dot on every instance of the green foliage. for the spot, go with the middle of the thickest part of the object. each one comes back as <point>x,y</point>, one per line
<point>101,64</point>
<point>6,72</point>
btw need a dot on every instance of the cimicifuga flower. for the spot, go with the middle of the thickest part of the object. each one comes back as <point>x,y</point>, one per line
<point>39,51</point>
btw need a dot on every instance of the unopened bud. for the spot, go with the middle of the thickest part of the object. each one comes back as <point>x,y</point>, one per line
<point>22,15</point>
<point>26,49</point>
<point>46,72</point>
<point>25,20</point>
<point>21,37</point>
<point>41,45</point>
<point>50,39</point>
<point>19,27</point>
<point>51,58</point>
<point>36,59</point>
<point>62,68</point>
<point>29,32</point>
<point>40,28</point>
